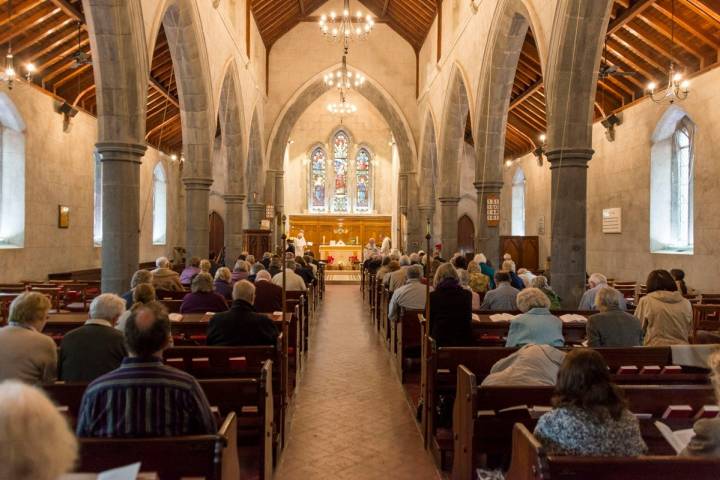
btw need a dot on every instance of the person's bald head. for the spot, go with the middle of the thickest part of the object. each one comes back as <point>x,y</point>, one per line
<point>147,331</point>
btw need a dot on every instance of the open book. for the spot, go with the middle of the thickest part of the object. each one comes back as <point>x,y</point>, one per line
<point>502,317</point>
<point>677,439</point>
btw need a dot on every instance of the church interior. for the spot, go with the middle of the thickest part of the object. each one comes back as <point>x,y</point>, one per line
<point>359,239</point>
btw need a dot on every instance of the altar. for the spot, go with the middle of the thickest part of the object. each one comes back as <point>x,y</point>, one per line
<point>341,254</point>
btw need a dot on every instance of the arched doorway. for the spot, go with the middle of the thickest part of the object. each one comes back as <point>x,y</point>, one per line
<point>466,235</point>
<point>217,233</point>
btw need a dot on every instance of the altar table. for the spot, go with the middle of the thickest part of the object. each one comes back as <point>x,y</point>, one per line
<point>341,253</point>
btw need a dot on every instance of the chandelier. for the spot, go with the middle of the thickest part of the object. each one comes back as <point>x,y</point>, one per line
<point>344,79</point>
<point>9,69</point>
<point>345,27</point>
<point>678,87</point>
<point>343,107</point>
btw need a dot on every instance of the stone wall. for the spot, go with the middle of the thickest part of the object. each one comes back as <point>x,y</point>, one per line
<point>59,170</point>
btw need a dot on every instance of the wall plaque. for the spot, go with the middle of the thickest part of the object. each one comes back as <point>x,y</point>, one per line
<point>493,210</point>
<point>612,220</point>
<point>269,212</point>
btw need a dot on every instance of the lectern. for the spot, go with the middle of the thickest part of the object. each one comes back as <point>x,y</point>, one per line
<point>256,242</point>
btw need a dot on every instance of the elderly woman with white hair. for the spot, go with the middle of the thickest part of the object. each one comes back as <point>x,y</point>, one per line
<point>485,268</point>
<point>536,324</point>
<point>223,283</point>
<point>464,278</point>
<point>25,353</point>
<point>541,282</point>
<point>202,298</point>
<point>36,442</point>
<point>450,309</point>
<point>596,282</point>
<point>241,271</point>
<point>612,327</point>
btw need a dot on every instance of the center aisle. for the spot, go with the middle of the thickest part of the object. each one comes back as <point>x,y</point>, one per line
<point>351,418</point>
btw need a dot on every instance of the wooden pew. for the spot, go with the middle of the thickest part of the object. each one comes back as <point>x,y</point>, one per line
<point>251,399</point>
<point>440,365</point>
<point>477,433</point>
<point>213,457</point>
<point>405,337</point>
<point>531,462</point>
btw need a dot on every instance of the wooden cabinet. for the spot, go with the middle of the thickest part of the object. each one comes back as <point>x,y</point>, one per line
<point>256,243</point>
<point>525,251</point>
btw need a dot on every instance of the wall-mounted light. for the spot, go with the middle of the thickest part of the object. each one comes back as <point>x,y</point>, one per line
<point>29,70</point>
<point>609,123</point>
<point>173,157</point>
<point>539,151</point>
<point>508,163</point>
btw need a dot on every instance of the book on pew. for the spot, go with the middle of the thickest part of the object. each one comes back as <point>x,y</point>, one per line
<point>627,370</point>
<point>501,317</point>
<point>573,318</point>
<point>678,411</point>
<point>671,369</point>
<point>677,439</point>
<point>650,370</point>
<point>708,411</point>
<point>175,317</point>
<point>517,411</point>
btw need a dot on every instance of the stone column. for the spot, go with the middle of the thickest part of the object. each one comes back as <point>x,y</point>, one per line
<point>568,205</point>
<point>120,213</point>
<point>197,204</point>
<point>488,238</point>
<point>448,225</point>
<point>234,206</point>
<point>426,212</point>
<point>256,213</point>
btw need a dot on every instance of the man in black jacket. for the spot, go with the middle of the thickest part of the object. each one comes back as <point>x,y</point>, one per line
<point>241,325</point>
<point>97,347</point>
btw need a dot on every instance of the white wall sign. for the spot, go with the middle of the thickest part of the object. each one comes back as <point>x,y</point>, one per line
<point>612,220</point>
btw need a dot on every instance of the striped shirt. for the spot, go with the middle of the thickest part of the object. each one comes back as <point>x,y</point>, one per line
<point>144,398</point>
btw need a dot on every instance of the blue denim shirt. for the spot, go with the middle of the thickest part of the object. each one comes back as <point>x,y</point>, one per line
<point>538,326</point>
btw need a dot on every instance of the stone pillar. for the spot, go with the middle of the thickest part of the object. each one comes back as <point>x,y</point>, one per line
<point>197,204</point>
<point>426,212</point>
<point>488,238</point>
<point>120,213</point>
<point>234,206</point>
<point>256,213</point>
<point>403,219</point>
<point>568,205</point>
<point>448,224</point>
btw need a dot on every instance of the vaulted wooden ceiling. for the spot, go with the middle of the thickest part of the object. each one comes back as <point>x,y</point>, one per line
<point>50,33</point>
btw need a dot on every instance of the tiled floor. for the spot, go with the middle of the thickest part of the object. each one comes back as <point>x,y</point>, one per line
<point>351,419</point>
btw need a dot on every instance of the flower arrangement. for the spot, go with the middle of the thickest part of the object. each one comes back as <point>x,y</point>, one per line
<point>354,259</point>
<point>330,259</point>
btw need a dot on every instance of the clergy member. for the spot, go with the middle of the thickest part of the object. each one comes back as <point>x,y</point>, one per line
<point>300,244</point>
<point>370,249</point>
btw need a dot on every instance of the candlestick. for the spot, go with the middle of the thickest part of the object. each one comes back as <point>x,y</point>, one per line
<point>427,227</point>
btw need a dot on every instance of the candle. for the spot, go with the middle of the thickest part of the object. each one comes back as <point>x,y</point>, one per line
<point>427,227</point>
<point>323,239</point>
<point>357,240</point>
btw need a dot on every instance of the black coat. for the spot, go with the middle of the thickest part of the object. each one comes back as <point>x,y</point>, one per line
<point>89,352</point>
<point>451,316</point>
<point>241,326</point>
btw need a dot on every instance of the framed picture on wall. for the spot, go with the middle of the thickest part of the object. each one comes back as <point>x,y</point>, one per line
<point>63,216</point>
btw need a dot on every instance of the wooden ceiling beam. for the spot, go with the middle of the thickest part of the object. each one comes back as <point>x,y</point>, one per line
<point>28,23</point>
<point>164,92</point>
<point>385,8</point>
<point>635,50</point>
<point>655,47</point>
<point>35,55</point>
<point>35,40</point>
<point>637,8</point>
<point>633,65</point>
<point>679,22</point>
<point>527,93</point>
<point>70,11</point>
<point>19,10</point>
<point>78,71</point>
<point>703,10</point>
<point>660,28</point>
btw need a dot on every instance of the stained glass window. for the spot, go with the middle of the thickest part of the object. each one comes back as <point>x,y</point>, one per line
<point>318,176</point>
<point>362,181</point>
<point>340,166</point>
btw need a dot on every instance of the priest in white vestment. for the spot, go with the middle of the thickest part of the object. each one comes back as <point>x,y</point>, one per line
<point>300,244</point>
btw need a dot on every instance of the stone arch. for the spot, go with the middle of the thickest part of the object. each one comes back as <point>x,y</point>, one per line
<point>120,67</point>
<point>428,163</point>
<point>231,122</point>
<point>181,22</point>
<point>570,83</point>
<point>455,114</point>
<point>510,24</point>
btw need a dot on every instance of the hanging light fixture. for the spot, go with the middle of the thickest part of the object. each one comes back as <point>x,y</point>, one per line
<point>678,87</point>
<point>343,107</point>
<point>346,26</point>
<point>9,70</point>
<point>344,79</point>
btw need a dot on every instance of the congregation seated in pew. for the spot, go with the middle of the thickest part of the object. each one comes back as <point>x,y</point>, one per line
<point>164,278</point>
<point>144,397</point>
<point>37,443</point>
<point>536,324</point>
<point>706,438</point>
<point>396,279</point>
<point>202,298</point>
<point>503,297</point>
<point>464,278</point>
<point>515,281</point>
<point>612,327</point>
<point>240,271</point>
<point>410,296</point>
<point>140,277</point>
<point>223,283</point>
<point>590,416</point>
<point>293,281</point>
<point>189,272</point>
<point>142,294</point>
<point>540,282</point>
<point>302,269</point>
<point>25,353</point>
<point>666,316</point>
<point>97,347</point>
<point>254,269</point>
<point>242,325</point>
<point>596,282</point>
<point>531,365</point>
<point>268,296</point>
<point>451,309</point>
<point>479,282</point>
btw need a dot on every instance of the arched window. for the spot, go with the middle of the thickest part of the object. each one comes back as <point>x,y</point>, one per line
<point>159,205</point>
<point>362,181</point>
<point>97,196</point>
<point>12,175</point>
<point>318,179</point>
<point>518,203</point>
<point>671,184</point>
<point>340,170</point>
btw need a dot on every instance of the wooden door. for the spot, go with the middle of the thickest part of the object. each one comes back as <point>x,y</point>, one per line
<point>525,251</point>
<point>466,235</point>
<point>217,233</point>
